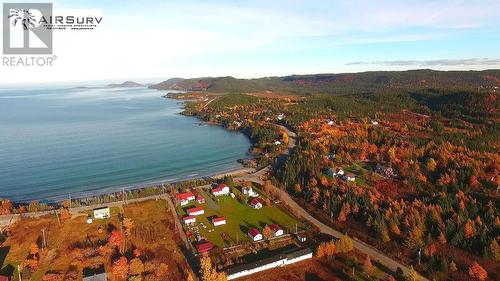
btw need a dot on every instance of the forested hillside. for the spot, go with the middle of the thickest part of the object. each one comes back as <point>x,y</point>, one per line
<point>342,83</point>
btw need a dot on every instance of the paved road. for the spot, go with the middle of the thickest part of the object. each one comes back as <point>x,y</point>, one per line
<point>6,220</point>
<point>374,254</point>
<point>362,247</point>
<point>257,178</point>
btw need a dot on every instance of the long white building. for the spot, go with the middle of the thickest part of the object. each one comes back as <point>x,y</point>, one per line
<point>272,262</point>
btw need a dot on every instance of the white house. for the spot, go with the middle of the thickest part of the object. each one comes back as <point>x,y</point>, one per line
<point>184,198</point>
<point>249,191</point>
<point>219,221</point>
<point>336,171</point>
<point>89,219</point>
<point>277,230</point>
<point>350,177</point>
<point>189,219</point>
<point>280,117</point>
<point>222,189</point>
<point>196,211</point>
<point>330,123</point>
<point>254,234</point>
<point>255,203</point>
<point>102,213</point>
<point>277,142</point>
<point>373,122</point>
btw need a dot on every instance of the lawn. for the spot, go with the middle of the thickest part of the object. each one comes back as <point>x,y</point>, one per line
<point>240,217</point>
<point>359,171</point>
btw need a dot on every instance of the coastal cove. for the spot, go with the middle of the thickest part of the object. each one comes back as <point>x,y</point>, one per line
<point>89,141</point>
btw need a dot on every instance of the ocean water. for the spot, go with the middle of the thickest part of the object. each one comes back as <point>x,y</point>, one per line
<point>57,141</point>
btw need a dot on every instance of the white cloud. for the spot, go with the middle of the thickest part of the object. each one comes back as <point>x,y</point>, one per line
<point>154,39</point>
<point>440,62</point>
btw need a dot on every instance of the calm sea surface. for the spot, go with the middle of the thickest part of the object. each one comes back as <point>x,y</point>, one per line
<point>56,141</point>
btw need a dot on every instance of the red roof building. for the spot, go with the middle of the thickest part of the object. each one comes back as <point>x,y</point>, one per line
<point>219,221</point>
<point>254,234</point>
<point>196,211</point>
<point>4,278</point>
<point>185,196</point>
<point>200,199</point>
<point>276,229</point>
<point>255,203</point>
<point>222,189</point>
<point>189,219</point>
<point>204,247</point>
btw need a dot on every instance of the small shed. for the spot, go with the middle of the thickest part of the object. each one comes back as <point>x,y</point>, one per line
<point>102,213</point>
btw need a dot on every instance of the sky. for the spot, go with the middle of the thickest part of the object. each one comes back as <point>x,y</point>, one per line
<point>150,41</point>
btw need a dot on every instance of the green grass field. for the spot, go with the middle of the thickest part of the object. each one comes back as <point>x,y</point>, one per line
<point>240,217</point>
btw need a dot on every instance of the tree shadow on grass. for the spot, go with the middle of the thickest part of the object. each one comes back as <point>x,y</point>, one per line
<point>246,226</point>
<point>8,270</point>
<point>311,276</point>
<point>3,254</point>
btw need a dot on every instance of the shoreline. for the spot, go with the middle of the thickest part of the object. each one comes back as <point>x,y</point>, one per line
<point>87,196</point>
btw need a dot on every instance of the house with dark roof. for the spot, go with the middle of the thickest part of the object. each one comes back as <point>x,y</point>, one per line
<point>95,274</point>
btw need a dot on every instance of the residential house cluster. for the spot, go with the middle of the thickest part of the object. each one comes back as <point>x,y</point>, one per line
<point>339,172</point>
<point>256,235</point>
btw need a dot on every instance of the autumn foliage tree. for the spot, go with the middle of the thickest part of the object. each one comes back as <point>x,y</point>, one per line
<point>120,268</point>
<point>477,272</point>
<point>208,273</point>
<point>267,232</point>
<point>344,244</point>
<point>136,267</point>
<point>116,238</point>
<point>367,266</point>
<point>326,249</point>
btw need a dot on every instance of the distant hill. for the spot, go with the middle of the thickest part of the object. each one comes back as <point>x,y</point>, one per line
<point>342,83</point>
<point>126,84</point>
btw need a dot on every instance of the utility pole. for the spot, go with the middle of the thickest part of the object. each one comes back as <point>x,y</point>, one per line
<point>44,241</point>
<point>19,272</point>
<point>419,255</point>
<point>124,195</point>
<point>57,216</point>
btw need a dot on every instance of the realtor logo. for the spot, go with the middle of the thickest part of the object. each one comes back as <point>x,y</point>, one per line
<point>23,30</point>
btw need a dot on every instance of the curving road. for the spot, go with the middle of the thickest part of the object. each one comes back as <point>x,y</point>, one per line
<point>362,247</point>
<point>256,177</point>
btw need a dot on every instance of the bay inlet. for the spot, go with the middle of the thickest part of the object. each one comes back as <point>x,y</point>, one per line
<point>57,141</point>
